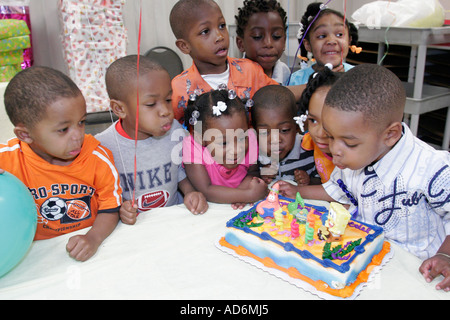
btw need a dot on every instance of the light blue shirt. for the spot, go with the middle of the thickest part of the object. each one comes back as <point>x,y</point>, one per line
<point>302,76</point>
<point>407,193</point>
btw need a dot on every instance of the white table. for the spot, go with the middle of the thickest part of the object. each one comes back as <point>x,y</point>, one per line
<point>171,254</point>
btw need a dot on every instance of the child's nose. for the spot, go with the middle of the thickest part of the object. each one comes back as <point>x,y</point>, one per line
<point>219,36</point>
<point>334,149</point>
<point>268,41</point>
<point>165,110</point>
<point>78,134</point>
<point>321,133</point>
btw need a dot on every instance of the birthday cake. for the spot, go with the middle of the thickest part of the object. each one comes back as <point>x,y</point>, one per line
<point>323,248</point>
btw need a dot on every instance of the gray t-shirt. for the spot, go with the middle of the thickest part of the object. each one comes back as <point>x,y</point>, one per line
<point>158,166</point>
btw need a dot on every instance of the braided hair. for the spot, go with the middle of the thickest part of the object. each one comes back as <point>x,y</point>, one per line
<point>201,108</point>
<point>255,6</point>
<point>323,78</point>
<point>311,12</point>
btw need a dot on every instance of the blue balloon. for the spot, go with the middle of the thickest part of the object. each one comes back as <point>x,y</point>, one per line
<point>18,221</point>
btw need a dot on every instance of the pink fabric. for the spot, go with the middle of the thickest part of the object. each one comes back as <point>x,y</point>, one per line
<point>195,153</point>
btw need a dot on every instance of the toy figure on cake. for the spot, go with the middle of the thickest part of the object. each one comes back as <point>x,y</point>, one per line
<point>334,226</point>
<point>271,204</point>
<point>306,243</point>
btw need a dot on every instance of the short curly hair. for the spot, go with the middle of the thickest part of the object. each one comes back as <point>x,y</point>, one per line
<point>255,6</point>
<point>32,90</point>
<point>121,73</point>
<point>183,13</point>
<point>273,97</point>
<point>371,89</point>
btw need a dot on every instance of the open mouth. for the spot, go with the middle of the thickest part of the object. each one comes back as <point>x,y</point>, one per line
<point>222,52</point>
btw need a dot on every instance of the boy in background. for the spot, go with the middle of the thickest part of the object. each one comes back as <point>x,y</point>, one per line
<point>201,32</point>
<point>71,177</point>
<point>280,153</point>
<point>261,36</point>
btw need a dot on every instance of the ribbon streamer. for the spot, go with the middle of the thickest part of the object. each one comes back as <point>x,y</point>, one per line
<point>137,103</point>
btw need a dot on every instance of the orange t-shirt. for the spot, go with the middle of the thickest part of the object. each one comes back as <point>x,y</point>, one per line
<point>323,162</point>
<point>246,77</point>
<point>67,198</point>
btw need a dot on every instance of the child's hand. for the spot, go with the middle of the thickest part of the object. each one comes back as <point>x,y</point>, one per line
<point>268,173</point>
<point>339,68</point>
<point>435,266</point>
<point>239,205</point>
<point>82,247</point>
<point>196,202</point>
<point>287,189</point>
<point>2,171</point>
<point>128,212</point>
<point>268,179</point>
<point>258,189</point>
<point>301,177</point>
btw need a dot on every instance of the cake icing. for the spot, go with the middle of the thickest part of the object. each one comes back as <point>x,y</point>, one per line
<point>325,248</point>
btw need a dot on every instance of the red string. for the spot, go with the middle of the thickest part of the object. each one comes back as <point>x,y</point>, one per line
<point>137,104</point>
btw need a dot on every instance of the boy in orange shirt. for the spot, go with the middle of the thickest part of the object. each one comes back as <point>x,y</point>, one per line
<point>201,32</point>
<point>71,177</point>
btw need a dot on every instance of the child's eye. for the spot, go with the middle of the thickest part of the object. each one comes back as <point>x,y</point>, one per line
<point>223,26</point>
<point>256,38</point>
<point>204,32</point>
<point>350,145</point>
<point>262,133</point>
<point>277,37</point>
<point>63,130</point>
<point>82,123</point>
<point>313,121</point>
<point>287,130</point>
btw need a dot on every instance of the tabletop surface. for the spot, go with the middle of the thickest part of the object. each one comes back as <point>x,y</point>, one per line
<point>171,254</point>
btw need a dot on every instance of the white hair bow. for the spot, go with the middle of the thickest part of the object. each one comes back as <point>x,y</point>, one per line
<point>221,107</point>
<point>301,120</point>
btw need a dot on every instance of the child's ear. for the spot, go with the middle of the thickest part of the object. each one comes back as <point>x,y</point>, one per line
<point>22,133</point>
<point>118,107</point>
<point>393,133</point>
<point>183,45</point>
<point>307,45</point>
<point>240,44</point>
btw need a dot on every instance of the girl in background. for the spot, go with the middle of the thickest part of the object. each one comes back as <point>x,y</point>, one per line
<point>316,139</point>
<point>328,38</point>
